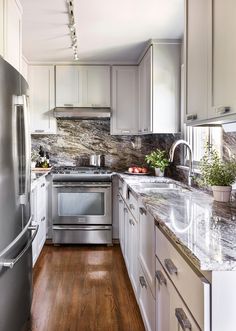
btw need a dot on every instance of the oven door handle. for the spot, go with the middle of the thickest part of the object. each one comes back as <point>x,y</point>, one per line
<point>83,228</point>
<point>83,185</point>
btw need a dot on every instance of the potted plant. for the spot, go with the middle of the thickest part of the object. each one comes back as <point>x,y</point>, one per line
<point>218,174</point>
<point>157,160</point>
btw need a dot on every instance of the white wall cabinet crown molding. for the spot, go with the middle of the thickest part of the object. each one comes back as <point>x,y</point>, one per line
<point>42,99</point>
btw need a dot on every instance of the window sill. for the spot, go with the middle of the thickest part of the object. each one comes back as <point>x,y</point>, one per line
<point>186,168</point>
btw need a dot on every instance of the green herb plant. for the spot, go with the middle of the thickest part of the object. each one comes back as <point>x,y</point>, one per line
<point>215,171</point>
<point>157,159</point>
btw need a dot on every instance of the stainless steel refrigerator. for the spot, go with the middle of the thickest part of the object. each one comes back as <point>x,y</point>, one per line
<point>16,231</point>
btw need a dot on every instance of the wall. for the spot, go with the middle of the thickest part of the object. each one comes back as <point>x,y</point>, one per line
<point>85,137</point>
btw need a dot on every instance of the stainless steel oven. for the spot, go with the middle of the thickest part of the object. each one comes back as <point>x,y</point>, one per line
<point>81,212</point>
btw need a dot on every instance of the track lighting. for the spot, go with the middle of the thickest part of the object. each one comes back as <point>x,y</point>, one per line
<point>72,28</point>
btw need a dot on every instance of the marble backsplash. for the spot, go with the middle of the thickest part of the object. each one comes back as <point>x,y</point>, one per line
<point>78,138</point>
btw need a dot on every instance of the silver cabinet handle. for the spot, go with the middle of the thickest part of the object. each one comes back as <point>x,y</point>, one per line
<point>192,117</point>
<point>125,210</point>
<point>183,319</point>
<point>142,282</point>
<point>39,131</point>
<point>145,130</point>
<point>43,218</point>
<point>130,221</point>
<point>160,277</point>
<point>42,185</point>
<point>120,188</point>
<point>142,211</point>
<point>170,266</point>
<point>120,200</point>
<point>139,130</point>
<point>125,131</point>
<point>68,105</point>
<point>222,110</point>
<point>131,206</point>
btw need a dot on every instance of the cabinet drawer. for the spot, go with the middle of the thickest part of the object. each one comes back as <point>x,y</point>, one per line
<point>133,205</point>
<point>193,288</point>
<point>171,312</point>
<point>146,302</point>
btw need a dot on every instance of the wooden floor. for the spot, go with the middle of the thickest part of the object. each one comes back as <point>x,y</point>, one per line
<point>83,288</point>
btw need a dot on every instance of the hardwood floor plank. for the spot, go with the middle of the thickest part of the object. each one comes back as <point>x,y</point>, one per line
<point>83,288</point>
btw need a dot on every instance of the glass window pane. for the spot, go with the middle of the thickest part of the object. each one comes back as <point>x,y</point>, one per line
<point>80,203</point>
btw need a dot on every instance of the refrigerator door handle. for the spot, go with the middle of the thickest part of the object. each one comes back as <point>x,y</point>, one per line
<point>10,263</point>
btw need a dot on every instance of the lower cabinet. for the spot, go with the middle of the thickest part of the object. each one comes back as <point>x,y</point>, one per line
<point>121,224</point>
<point>146,302</point>
<point>171,312</point>
<point>39,210</point>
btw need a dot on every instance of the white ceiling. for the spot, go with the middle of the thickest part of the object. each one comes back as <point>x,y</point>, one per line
<point>109,31</point>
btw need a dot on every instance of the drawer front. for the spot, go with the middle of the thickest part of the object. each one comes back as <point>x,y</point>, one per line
<point>171,312</point>
<point>193,288</point>
<point>133,205</point>
<point>82,235</point>
<point>146,302</point>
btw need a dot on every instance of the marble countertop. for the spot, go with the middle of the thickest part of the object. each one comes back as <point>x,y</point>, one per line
<point>203,229</point>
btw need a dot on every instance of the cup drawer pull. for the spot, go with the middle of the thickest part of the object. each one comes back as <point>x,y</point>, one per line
<point>142,282</point>
<point>160,277</point>
<point>183,319</point>
<point>170,266</point>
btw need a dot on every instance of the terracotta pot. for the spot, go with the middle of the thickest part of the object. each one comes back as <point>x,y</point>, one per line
<point>222,193</point>
<point>159,173</point>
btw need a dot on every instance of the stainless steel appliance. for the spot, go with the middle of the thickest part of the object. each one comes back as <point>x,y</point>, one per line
<point>16,231</point>
<point>81,205</point>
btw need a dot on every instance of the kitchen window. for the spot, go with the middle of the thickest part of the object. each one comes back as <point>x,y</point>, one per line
<point>197,137</point>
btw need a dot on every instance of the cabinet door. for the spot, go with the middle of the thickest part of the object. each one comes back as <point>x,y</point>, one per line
<point>33,205</point>
<point>197,66</point>
<point>13,33</point>
<point>171,312</point>
<point>134,272</point>
<point>145,93</point>
<point>41,213</point>
<point>96,86</point>
<point>69,87</point>
<point>41,103</point>
<point>147,246</point>
<point>124,118</point>
<point>121,224</point>
<point>2,30</point>
<point>223,56</point>
<point>146,302</point>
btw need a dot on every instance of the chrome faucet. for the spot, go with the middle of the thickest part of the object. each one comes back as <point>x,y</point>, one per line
<point>172,152</point>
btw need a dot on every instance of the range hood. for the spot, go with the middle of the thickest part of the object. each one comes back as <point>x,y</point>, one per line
<point>83,113</point>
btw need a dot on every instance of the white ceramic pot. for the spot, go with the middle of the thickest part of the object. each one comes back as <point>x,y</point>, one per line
<point>222,193</point>
<point>159,173</point>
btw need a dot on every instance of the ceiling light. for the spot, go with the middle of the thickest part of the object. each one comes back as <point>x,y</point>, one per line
<point>71,26</point>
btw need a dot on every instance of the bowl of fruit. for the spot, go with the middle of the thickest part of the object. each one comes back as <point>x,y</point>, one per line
<point>135,170</point>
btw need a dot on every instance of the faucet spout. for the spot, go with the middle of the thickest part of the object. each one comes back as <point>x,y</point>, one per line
<point>172,153</point>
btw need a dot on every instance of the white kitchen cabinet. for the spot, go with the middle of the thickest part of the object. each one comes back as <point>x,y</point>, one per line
<point>147,246</point>
<point>124,120</point>
<point>41,99</point>
<point>171,312</point>
<point>146,302</point>
<point>98,91</point>
<point>223,54</point>
<point>121,224</point>
<point>145,93</point>
<point>159,88</point>
<point>11,32</point>
<point>82,86</point>
<point>197,61</point>
<point>39,213</point>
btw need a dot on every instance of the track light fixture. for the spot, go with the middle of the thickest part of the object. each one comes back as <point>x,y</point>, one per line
<point>72,28</point>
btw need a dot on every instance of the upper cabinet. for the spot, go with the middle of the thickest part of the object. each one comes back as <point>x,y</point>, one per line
<point>82,86</point>
<point>210,53</point>
<point>159,89</point>
<point>196,38</point>
<point>124,120</point>
<point>11,32</point>
<point>42,99</point>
